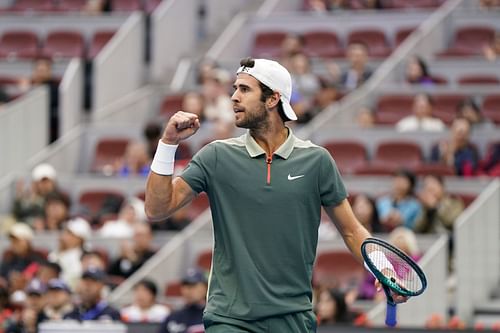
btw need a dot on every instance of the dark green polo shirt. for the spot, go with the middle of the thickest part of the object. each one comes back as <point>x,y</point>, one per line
<point>266,214</point>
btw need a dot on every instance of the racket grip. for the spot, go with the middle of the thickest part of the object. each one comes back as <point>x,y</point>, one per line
<point>390,317</point>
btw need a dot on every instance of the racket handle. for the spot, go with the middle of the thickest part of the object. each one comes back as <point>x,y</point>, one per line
<point>390,317</point>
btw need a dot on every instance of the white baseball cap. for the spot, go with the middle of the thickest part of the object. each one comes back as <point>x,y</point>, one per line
<point>21,231</point>
<point>42,171</point>
<point>79,227</point>
<point>276,77</point>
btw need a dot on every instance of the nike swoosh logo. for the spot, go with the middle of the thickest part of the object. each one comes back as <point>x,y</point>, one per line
<point>290,177</point>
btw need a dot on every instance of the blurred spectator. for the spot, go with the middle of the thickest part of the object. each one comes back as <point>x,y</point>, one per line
<point>56,209</point>
<point>20,256</point>
<point>6,310</point>
<point>193,103</point>
<point>218,104</point>
<point>92,259</point>
<point>131,213</point>
<point>440,209</point>
<point>42,75</point>
<point>489,4</point>
<point>492,51</point>
<point>324,97</point>
<point>490,166</point>
<point>135,162</point>
<point>405,240</point>
<point>90,290</point>
<point>469,110</point>
<point>417,71</point>
<point>189,317</point>
<point>25,318</point>
<point>365,118</point>
<point>144,308</point>
<point>303,79</point>
<point>71,246</point>
<point>29,203</point>
<point>47,271</point>
<point>332,308</point>
<point>96,7</point>
<point>175,222</point>
<point>134,255</point>
<point>421,119</point>
<point>4,97</point>
<point>365,210</point>
<point>358,72</point>
<point>457,150</point>
<point>59,305</point>
<point>400,207</point>
<point>205,70</point>
<point>292,44</point>
<point>152,134</point>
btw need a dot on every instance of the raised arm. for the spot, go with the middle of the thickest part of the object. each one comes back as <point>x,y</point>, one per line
<point>164,193</point>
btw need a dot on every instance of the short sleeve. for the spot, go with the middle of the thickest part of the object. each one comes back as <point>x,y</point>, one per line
<point>197,172</point>
<point>332,189</point>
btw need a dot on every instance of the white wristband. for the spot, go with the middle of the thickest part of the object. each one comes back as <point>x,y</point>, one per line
<point>163,162</point>
<point>380,261</point>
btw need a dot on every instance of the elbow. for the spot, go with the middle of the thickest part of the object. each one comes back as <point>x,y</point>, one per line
<point>154,215</point>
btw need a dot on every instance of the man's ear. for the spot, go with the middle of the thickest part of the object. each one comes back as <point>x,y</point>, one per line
<point>273,100</point>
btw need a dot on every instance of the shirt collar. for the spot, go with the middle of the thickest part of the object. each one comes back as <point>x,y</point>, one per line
<point>283,151</point>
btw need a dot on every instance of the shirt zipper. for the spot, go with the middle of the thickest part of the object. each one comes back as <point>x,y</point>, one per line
<point>269,161</point>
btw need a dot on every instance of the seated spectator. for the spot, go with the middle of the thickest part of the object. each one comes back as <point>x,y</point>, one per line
<point>492,51</point>
<point>29,202</point>
<point>144,308</point>
<point>92,259</point>
<point>92,304</point>
<point>193,103</point>
<point>457,150</point>
<point>365,210</point>
<point>421,119</point>
<point>152,134</point>
<point>405,240</point>
<point>59,305</point>
<point>489,4</point>
<point>96,7</point>
<point>131,213</point>
<point>136,161</point>
<point>28,304</point>
<point>6,310</point>
<point>469,110</point>
<point>56,208</point>
<point>218,105</point>
<point>332,308</point>
<point>71,247</point>
<point>189,317</point>
<point>490,166</point>
<point>365,118</point>
<point>440,209</point>
<point>417,72</point>
<point>19,256</point>
<point>134,255</point>
<point>400,207</point>
<point>323,98</point>
<point>205,70</point>
<point>47,271</point>
<point>303,79</point>
<point>358,71</point>
<point>292,44</point>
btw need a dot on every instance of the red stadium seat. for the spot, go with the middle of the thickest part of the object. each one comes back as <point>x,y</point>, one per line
<point>268,44</point>
<point>378,169</point>
<point>7,79</point>
<point>407,4</point>
<point>402,34</point>
<point>467,198</point>
<point>170,105</point>
<point>107,152</point>
<point>21,44</point>
<point>434,169</point>
<point>438,79</point>
<point>204,260</point>
<point>445,106</point>
<point>99,40</point>
<point>337,268</point>
<point>392,108</point>
<point>125,5</point>
<point>150,5</point>
<point>479,79</point>
<point>398,154</point>
<point>348,155</point>
<point>323,44</point>
<point>491,108</point>
<point>94,200</point>
<point>373,38</point>
<point>72,5</point>
<point>173,289</point>
<point>33,6</point>
<point>198,205</point>
<point>64,44</point>
<point>469,41</point>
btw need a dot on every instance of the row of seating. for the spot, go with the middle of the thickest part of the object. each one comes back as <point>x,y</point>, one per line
<point>390,109</point>
<point>25,44</point>
<point>384,4</point>
<point>64,6</point>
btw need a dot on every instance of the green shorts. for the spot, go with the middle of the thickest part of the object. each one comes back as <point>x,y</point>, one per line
<point>298,322</point>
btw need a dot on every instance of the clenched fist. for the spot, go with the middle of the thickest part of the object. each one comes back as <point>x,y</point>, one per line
<point>179,127</point>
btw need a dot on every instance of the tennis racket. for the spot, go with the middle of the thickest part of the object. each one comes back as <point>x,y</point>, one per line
<point>396,271</point>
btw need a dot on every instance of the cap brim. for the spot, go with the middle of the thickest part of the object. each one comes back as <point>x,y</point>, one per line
<point>287,108</point>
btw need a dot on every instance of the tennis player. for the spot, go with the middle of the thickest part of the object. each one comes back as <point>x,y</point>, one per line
<point>266,189</point>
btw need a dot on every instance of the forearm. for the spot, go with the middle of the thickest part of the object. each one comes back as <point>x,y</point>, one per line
<point>354,237</point>
<point>160,200</point>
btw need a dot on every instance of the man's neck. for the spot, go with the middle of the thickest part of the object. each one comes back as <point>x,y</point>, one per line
<point>271,137</point>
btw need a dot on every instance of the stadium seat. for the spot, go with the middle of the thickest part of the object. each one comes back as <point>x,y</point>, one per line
<point>71,5</point>
<point>324,44</point>
<point>150,5</point>
<point>407,4</point>
<point>397,154</point>
<point>33,6</point>
<point>401,35</point>
<point>469,41</point>
<point>467,198</point>
<point>21,44</point>
<point>204,260</point>
<point>173,289</point>
<point>64,44</point>
<point>434,169</point>
<point>439,79</point>
<point>98,41</point>
<point>125,5</point>
<point>107,152</point>
<point>445,106</point>
<point>373,38</point>
<point>268,44</point>
<point>96,202</point>
<point>337,268</point>
<point>198,205</point>
<point>170,105</point>
<point>479,79</point>
<point>348,155</point>
<point>491,108</point>
<point>8,79</point>
<point>392,108</point>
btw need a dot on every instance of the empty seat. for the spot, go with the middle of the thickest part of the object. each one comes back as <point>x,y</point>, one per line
<point>373,38</point>
<point>376,170</point>
<point>64,44</point>
<point>337,268</point>
<point>348,155</point>
<point>491,108</point>
<point>98,41</point>
<point>479,79</point>
<point>322,44</point>
<point>107,152</point>
<point>398,154</point>
<point>72,5</point>
<point>445,106</point>
<point>96,202</point>
<point>33,5</point>
<point>434,169</point>
<point>469,41</point>
<point>392,108</point>
<point>401,35</point>
<point>173,289</point>
<point>170,105</point>
<point>125,5</point>
<point>406,4</point>
<point>204,260</point>
<point>20,44</point>
<point>268,44</point>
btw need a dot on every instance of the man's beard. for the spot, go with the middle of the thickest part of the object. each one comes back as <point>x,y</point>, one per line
<point>254,120</point>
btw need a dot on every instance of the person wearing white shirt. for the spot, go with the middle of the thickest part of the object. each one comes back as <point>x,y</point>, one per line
<point>144,308</point>
<point>421,119</point>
